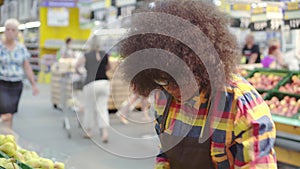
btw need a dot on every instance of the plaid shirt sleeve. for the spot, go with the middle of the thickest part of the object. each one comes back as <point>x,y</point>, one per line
<point>254,131</point>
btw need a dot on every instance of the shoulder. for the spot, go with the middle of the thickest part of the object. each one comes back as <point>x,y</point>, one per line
<point>243,91</point>
<point>249,102</point>
<point>21,47</point>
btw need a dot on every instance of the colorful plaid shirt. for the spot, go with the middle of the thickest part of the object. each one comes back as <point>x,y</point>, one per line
<point>244,121</point>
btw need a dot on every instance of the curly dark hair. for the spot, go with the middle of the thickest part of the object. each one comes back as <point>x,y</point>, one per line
<point>203,15</point>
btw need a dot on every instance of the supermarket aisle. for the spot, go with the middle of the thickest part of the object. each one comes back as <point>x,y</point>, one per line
<point>39,127</point>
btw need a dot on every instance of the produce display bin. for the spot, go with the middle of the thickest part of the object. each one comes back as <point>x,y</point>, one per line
<point>288,120</point>
<point>281,73</point>
<point>287,145</point>
<point>288,80</point>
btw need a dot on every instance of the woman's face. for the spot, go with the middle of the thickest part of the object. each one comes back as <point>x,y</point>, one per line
<point>11,32</point>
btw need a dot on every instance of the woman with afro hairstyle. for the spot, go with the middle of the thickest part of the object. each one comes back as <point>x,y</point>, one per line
<point>218,122</point>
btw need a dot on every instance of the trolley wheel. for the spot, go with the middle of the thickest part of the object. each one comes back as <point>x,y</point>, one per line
<point>55,106</point>
<point>69,135</point>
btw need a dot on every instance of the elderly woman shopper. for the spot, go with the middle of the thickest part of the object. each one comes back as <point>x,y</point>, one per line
<point>195,130</point>
<point>13,65</point>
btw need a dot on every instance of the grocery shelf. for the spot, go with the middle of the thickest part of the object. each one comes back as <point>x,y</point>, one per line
<point>35,67</point>
<point>32,45</point>
<point>286,120</point>
<point>34,52</point>
<point>34,59</point>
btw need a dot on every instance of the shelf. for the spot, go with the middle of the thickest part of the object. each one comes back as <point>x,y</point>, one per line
<point>34,52</point>
<point>35,67</point>
<point>286,120</point>
<point>32,45</point>
<point>34,60</point>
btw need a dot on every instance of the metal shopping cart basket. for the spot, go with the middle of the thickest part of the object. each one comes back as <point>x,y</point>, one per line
<point>61,91</point>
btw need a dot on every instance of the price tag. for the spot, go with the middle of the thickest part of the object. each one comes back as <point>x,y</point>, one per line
<point>259,26</point>
<point>293,23</point>
<point>241,7</point>
<point>275,24</point>
<point>259,10</point>
<point>245,22</point>
<point>292,6</point>
<point>240,22</point>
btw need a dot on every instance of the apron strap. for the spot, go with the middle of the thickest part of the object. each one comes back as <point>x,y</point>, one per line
<point>166,112</point>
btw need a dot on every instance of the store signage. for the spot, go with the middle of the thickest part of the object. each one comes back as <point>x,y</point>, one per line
<point>259,26</point>
<point>85,11</point>
<point>293,23</point>
<point>57,3</point>
<point>58,17</point>
<point>292,15</point>
<point>241,7</point>
<point>240,23</point>
<point>272,24</point>
<point>291,6</point>
<point>274,9</point>
<point>120,3</point>
<point>258,10</point>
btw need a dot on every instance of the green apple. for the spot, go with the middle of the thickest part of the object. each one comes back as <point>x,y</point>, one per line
<point>46,163</point>
<point>35,163</point>
<point>59,165</point>
<point>19,156</point>
<point>8,148</point>
<point>10,139</point>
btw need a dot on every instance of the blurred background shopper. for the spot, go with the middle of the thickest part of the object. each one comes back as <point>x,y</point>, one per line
<point>14,65</point>
<point>251,50</point>
<point>96,90</point>
<point>239,135</point>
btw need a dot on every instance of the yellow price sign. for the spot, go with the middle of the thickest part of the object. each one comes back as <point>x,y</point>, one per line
<point>258,10</point>
<point>107,3</point>
<point>292,6</point>
<point>241,7</point>
<point>273,9</point>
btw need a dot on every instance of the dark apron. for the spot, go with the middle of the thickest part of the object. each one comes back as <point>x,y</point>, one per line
<point>187,152</point>
<point>184,152</point>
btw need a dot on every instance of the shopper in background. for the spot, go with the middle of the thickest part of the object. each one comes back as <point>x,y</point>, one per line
<point>251,50</point>
<point>274,59</point>
<point>96,90</point>
<point>129,105</point>
<point>239,135</point>
<point>66,51</point>
<point>13,65</point>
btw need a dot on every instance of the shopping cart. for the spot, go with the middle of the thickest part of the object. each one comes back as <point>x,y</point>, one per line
<point>62,89</point>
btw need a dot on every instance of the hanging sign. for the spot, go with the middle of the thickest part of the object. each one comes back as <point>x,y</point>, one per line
<point>292,15</point>
<point>59,3</point>
<point>120,3</point>
<point>58,17</point>
<point>85,11</point>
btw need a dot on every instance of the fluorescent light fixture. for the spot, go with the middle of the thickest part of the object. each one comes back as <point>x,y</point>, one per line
<point>22,26</point>
<point>218,2</point>
<point>35,24</point>
<point>110,31</point>
<point>27,25</point>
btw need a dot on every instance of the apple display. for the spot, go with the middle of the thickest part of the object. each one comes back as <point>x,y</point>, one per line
<point>264,82</point>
